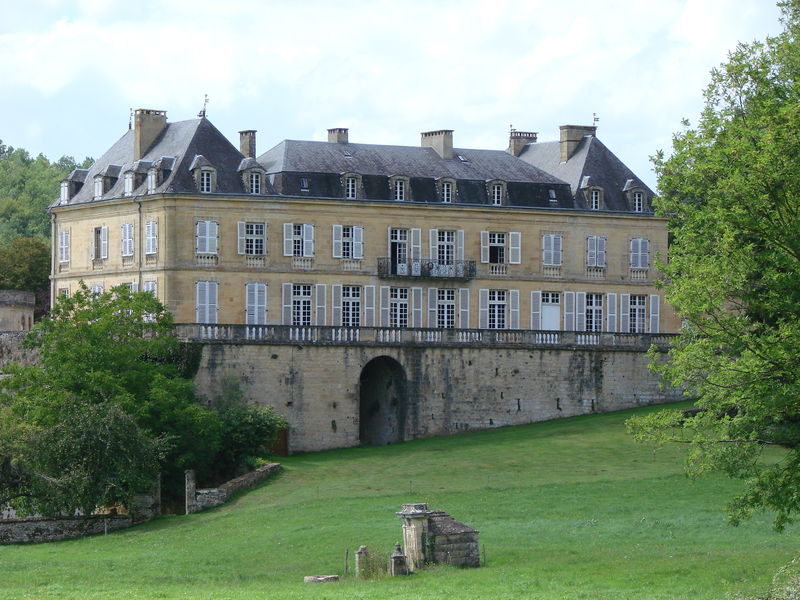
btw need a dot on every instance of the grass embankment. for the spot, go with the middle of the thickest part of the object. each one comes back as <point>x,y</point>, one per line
<point>566,509</point>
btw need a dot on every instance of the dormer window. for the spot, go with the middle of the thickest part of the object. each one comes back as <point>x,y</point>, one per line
<point>638,202</point>
<point>205,181</point>
<point>497,192</point>
<point>129,183</point>
<point>594,200</point>
<point>98,187</point>
<point>447,189</point>
<point>551,193</point>
<point>398,185</point>
<point>152,181</point>
<point>64,192</point>
<point>351,183</point>
<point>304,184</point>
<point>255,183</point>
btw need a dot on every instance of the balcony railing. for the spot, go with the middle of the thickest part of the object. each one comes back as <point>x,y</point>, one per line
<point>392,336</point>
<point>427,268</point>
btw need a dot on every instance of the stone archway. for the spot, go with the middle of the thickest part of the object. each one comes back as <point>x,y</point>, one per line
<point>383,399</point>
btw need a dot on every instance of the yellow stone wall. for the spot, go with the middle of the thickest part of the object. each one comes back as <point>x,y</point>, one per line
<point>176,269</point>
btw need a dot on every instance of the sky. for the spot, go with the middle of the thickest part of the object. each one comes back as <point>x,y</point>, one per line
<point>70,72</point>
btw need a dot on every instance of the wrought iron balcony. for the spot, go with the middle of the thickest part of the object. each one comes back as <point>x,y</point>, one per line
<point>427,268</point>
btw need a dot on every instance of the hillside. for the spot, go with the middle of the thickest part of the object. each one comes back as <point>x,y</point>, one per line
<point>566,509</point>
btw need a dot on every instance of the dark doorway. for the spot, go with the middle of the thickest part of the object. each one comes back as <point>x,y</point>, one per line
<point>382,402</point>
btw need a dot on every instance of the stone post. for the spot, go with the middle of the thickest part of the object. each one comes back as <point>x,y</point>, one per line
<point>191,491</point>
<point>415,534</point>
<point>361,558</point>
<point>397,562</point>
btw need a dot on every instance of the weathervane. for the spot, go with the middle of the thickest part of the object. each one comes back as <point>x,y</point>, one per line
<point>595,119</point>
<point>202,113</point>
<point>130,118</point>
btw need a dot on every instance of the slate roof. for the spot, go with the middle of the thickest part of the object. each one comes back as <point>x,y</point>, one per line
<point>174,151</point>
<point>411,161</point>
<point>592,159</point>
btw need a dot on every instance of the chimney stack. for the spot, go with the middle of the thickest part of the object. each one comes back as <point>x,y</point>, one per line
<point>571,136</point>
<point>441,141</point>
<point>247,143</point>
<point>517,140</point>
<point>147,126</point>
<point>338,135</point>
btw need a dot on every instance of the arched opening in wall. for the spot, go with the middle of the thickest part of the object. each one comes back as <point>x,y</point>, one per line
<point>382,402</point>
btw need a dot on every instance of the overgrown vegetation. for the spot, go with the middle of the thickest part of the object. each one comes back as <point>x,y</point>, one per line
<point>105,409</point>
<point>568,509</point>
<point>732,194</point>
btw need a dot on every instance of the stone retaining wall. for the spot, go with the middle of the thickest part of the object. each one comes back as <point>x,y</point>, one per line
<point>199,499</point>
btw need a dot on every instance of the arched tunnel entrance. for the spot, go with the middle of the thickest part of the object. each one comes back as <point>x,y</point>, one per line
<point>382,402</point>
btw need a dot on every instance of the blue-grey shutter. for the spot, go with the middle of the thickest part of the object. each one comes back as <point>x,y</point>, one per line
<point>611,312</point>
<point>288,235</point>
<point>336,305</point>
<point>513,306</point>
<point>483,309</point>
<point>416,307</point>
<point>286,292</point>
<point>240,237</point>
<point>369,306</point>
<point>580,311</point>
<point>337,241</point>
<point>484,246</point>
<point>514,247</point>
<point>384,293</point>
<point>569,311</point>
<point>358,242</point>
<point>654,313</point>
<point>321,312</point>
<point>463,299</point>
<point>625,313</point>
<point>433,303</point>
<point>536,310</point>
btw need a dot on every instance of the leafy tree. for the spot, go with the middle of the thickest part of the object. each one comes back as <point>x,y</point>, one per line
<point>731,189</point>
<point>25,265</point>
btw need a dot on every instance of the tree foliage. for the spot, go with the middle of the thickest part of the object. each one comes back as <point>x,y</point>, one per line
<point>28,185</point>
<point>25,265</point>
<point>105,407</point>
<point>731,190</point>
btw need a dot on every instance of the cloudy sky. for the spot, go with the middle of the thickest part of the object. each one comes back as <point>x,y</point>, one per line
<point>388,69</point>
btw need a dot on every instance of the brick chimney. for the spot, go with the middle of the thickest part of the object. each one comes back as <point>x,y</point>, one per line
<point>247,143</point>
<point>517,140</point>
<point>571,136</point>
<point>441,141</point>
<point>338,135</point>
<point>147,126</point>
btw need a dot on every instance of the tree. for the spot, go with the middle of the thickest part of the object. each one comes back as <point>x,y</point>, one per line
<point>731,190</point>
<point>25,265</point>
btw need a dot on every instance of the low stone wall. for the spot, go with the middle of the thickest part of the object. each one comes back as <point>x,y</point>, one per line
<point>199,499</point>
<point>451,542</point>
<point>46,529</point>
<point>11,349</point>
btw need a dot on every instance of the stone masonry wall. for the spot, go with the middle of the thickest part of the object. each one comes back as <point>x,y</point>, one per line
<point>210,497</point>
<point>11,349</point>
<point>450,390</point>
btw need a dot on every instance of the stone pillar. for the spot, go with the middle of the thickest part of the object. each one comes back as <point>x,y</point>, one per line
<point>361,558</point>
<point>191,491</point>
<point>415,534</point>
<point>397,562</point>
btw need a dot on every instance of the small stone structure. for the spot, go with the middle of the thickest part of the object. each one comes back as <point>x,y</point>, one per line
<point>433,536</point>
<point>16,310</point>
<point>143,508</point>
<point>198,499</point>
<point>320,578</point>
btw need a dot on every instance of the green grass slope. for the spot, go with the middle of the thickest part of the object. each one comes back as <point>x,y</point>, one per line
<point>566,509</point>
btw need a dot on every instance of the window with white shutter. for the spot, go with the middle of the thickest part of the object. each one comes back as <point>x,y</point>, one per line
<point>322,311</point>
<point>569,311</point>
<point>536,310</point>
<point>611,312</point>
<point>256,303</point>
<point>640,253</point>
<point>369,306</point>
<point>206,233</point>
<point>151,237</point>
<point>463,308</point>
<point>126,241</point>
<point>251,238</point>
<point>655,326</point>
<point>513,309</point>
<point>63,245</point>
<point>551,249</point>
<point>206,301</point>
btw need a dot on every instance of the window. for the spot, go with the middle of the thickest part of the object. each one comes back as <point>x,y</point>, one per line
<point>64,197</point>
<point>399,190</point>
<point>398,248</point>
<point>447,192</point>
<point>594,199</point>
<point>63,292</point>
<point>256,304</point>
<point>304,184</point>
<point>595,251</point>
<point>129,183</point>
<point>445,247</point>
<point>255,183</point>
<point>594,312</point>
<point>398,307</point>
<point>637,313</point>
<point>497,194</point>
<point>100,243</point>
<point>205,181</point>
<point>206,301</point>
<point>126,239</point>
<point>497,309</point>
<point>497,248</point>
<point>551,193</point>
<point>551,249</point>
<point>251,238</point>
<point>152,180</point>
<point>98,187</point>
<point>350,187</point>
<point>96,290</point>
<point>347,242</point>
<point>150,286</point>
<point>446,308</point>
<point>63,245</point>
<point>640,253</point>
<point>638,201</point>
<point>298,239</point>
<point>151,237</point>
<point>206,237</point>
<point>301,304</point>
<point>351,306</point>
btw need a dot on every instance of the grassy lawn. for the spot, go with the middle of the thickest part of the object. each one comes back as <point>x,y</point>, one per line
<point>567,509</point>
